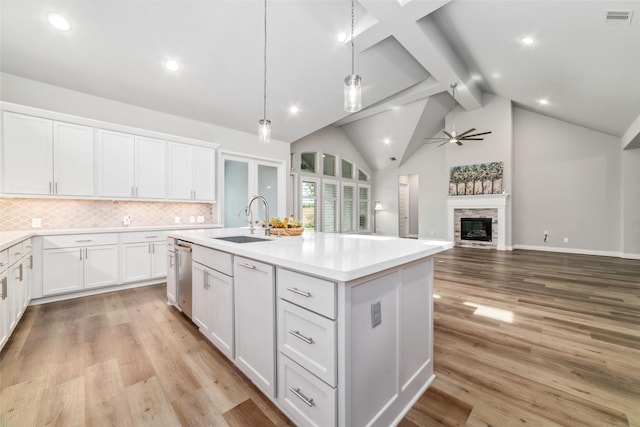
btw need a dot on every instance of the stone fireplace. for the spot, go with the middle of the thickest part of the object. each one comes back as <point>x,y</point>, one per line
<point>489,209</point>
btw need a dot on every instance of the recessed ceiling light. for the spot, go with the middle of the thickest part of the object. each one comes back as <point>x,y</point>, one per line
<point>294,109</point>
<point>387,141</point>
<point>543,101</point>
<point>172,65</point>
<point>527,41</point>
<point>59,22</point>
<point>342,37</point>
<point>496,75</point>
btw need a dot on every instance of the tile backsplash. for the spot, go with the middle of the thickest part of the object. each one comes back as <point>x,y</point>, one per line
<point>17,214</point>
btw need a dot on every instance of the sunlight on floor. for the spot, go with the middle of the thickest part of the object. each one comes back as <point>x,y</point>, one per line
<point>492,312</point>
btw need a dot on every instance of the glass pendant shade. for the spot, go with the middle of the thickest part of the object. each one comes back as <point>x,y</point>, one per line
<point>264,131</point>
<point>352,93</point>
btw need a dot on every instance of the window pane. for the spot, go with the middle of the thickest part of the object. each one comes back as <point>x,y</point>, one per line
<point>236,194</point>
<point>329,164</point>
<point>330,208</point>
<point>308,162</point>
<point>362,176</point>
<point>348,208</point>
<point>268,188</point>
<point>309,204</point>
<point>364,209</point>
<point>347,169</point>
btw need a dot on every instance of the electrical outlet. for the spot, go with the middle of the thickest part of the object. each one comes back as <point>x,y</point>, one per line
<point>177,220</point>
<point>566,240</point>
<point>200,219</point>
<point>126,220</point>
<point>36,222</point>
<point>376,314</point>
<point>192,219</point>
<point>546,236</point>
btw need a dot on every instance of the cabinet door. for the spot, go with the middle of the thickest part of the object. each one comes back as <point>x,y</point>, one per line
<point>73,159</point>
<point>20,291</point>
<point>136,262</point>
<point>100,266</point>
<point>61,270</point>
<point>150,168</point>
<point>27,154</point>
<point>254,298</point>
<point>203,174</point>
<point>181,172</point>
<point>222,312</point>
<point>201,299</point>
<point>171,278</point>
<point>158,259</point>
<point>4,308</point>
<point>115,164</point>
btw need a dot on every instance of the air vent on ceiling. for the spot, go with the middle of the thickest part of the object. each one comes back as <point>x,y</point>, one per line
<point>618,17</point>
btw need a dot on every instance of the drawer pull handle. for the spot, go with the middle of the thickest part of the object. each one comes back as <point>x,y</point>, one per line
<point>301,337</point>
<point>253,267</point>
<point>17,253</point>
<point>82,241</point>
<point>151,237</point>
<point>4,288</point>
<point>299,292</point>
<point>296,391</point>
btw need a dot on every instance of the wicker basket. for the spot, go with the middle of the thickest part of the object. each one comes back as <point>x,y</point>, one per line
<point>287,231</point>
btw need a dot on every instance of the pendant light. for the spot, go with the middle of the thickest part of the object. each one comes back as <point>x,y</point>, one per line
<point>353,82</point>
<point>264,125</point>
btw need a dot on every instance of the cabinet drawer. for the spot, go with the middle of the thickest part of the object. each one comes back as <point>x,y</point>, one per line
<point>308,339</point>
<point>142,236</point>
<point>308,400</point>
<point>171,244</point>
<point>73,240</point>
<point>4,260</point>
<point>15,253</point>
<point>317,295</point>
<point>217,260</point>
<point>27,245</point>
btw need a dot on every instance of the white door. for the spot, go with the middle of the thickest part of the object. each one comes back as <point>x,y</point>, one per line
<point>135,262</point>
<point>150,168</point>
<point>222,312</point>
<point>201,299</point>
<point>403,210</point>
<point>180,173</point>
<point>61,270</point>
<point>73,160</point>
<point>116,164</point>
<point>27,154</point>
<point>254,298</point>
<point>100,266</point>
<point>203,174</point>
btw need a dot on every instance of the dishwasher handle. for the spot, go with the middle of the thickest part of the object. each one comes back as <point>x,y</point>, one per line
<point>183,247</point>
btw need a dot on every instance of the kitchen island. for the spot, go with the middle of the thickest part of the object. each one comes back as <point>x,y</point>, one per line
<point>334,329</point>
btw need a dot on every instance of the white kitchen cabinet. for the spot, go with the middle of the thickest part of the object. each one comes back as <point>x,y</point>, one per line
<point>191,173</point>
<point>16,263</point>
<point>142,256</point>
<point>47,157</point>
<point>5,301</point>
<point>116,164</point>
<point>254,304</point>
<point>75,262</point>
<point>202,298</point>
<point>150,168</point>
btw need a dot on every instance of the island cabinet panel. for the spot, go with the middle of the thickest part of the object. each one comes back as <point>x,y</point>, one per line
<point>254,300</point>
<point>312,293</point>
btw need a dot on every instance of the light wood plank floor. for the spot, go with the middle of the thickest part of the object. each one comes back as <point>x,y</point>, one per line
<point>562,348</point>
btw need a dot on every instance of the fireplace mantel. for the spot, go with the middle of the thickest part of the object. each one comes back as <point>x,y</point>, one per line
<point>480,201</point>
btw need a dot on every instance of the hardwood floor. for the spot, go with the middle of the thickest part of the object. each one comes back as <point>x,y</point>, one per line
<point>562,348</point>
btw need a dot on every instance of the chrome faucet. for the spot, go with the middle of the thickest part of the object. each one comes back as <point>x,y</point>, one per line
<point>267,224</point>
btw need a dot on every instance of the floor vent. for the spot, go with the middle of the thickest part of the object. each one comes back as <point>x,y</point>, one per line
<point>618,17</point>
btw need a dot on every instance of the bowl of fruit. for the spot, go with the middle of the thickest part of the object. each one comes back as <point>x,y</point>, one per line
<point>285,227</point>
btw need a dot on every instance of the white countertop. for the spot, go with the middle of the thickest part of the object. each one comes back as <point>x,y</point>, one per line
<point>10,238</point>
<point>339,257</point>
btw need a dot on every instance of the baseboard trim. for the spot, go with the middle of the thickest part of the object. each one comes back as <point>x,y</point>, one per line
<point>631,256</point>
<point>97,291</point>
<point>572,251</point>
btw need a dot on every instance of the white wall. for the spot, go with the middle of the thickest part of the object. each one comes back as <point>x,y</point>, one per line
<point>631,203</point>
<point>567,181</point>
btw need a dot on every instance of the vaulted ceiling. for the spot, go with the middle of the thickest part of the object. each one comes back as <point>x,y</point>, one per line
<point>586,69</point>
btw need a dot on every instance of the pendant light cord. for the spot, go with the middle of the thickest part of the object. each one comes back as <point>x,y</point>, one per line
<point>264,116</point>
<point>352,43</point>
<point>453,105</point>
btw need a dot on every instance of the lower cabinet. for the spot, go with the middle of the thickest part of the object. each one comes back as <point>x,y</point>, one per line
<point>91,261</point>
<point>143,256</point>
<point>213,306</point>
<point>254,303</point>
<point>16,264</point>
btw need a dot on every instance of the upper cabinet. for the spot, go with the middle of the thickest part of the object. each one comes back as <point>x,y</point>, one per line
<point>46,157</point>
<point>191,173</point>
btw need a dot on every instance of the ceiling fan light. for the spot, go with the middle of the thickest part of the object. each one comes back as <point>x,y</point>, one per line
<point>352,93</point>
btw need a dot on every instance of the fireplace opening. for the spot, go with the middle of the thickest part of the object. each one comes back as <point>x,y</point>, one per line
<point>475,229</point>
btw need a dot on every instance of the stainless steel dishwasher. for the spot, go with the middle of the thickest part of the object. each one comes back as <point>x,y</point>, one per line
<point>183,252</point>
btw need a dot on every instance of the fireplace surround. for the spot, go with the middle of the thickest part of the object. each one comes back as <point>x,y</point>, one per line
<point>480,204</point>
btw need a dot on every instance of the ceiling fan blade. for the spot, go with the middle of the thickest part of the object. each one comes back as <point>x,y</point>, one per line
<point>478,134</point>
<point>466,132</point>
<point>435,142</point>
<point>472,139</point>
<point>446,142</point>
<point>458,142</point>
<point>448,134</point>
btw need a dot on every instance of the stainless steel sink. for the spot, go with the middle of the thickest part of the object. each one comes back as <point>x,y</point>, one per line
<point>242,239</point>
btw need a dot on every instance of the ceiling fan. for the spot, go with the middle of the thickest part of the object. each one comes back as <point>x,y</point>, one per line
<point>453,136</point>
